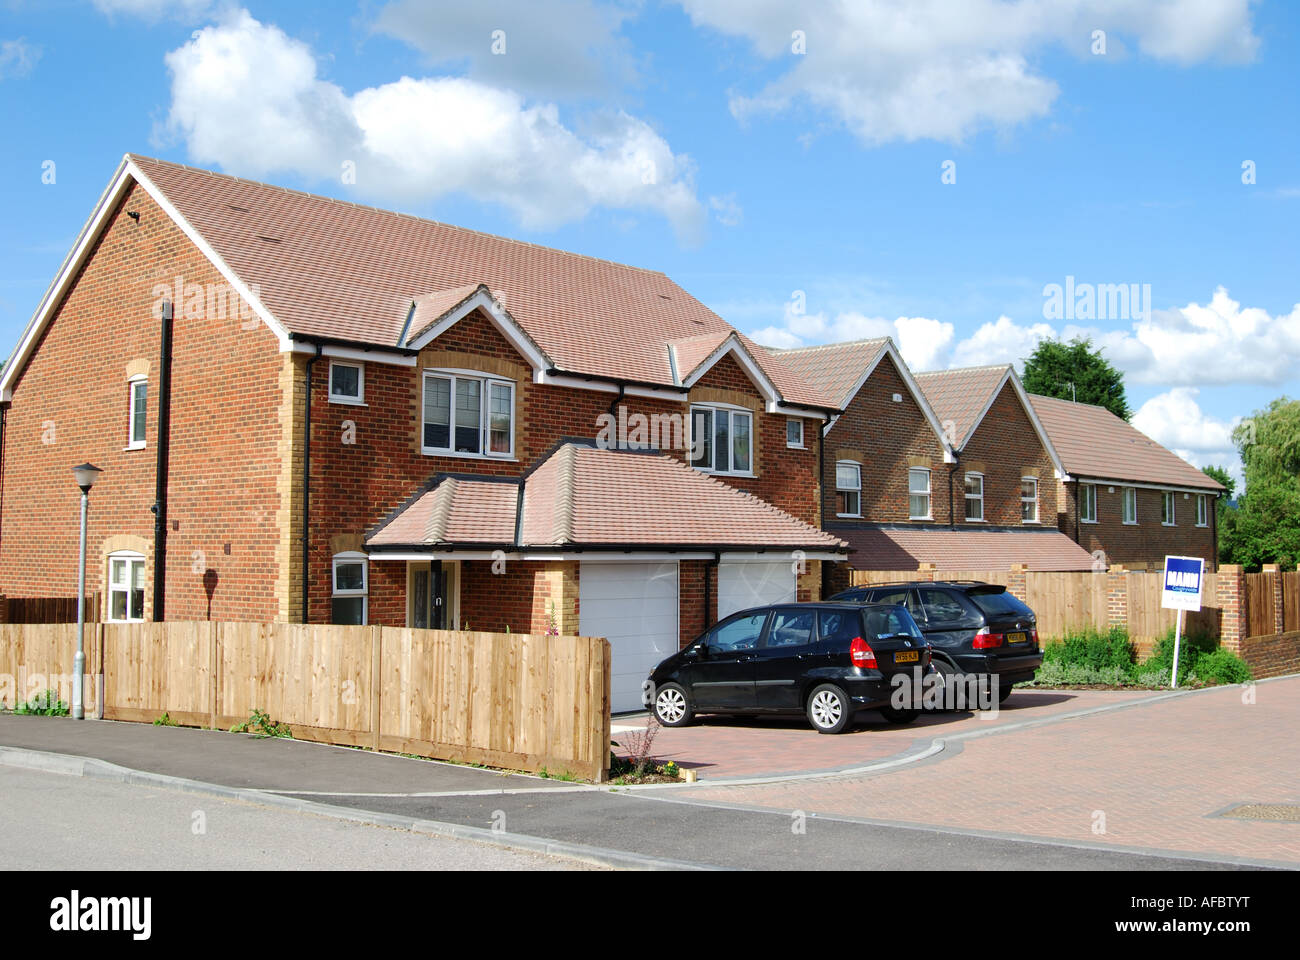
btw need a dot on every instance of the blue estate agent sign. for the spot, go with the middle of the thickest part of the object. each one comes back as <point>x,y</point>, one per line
<point>1183,579</point>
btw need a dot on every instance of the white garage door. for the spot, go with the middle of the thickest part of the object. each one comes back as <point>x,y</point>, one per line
<point>634,607</point>
<point>744,584</point>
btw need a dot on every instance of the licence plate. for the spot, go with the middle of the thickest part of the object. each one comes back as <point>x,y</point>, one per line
<point>907,656</point>
<point>1016,638</point>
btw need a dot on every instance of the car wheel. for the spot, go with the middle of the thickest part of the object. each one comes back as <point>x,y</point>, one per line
<point>1004,691</point>
<point>894,715</point>
<point>672,706</point>
<point>829,709</point>
<point>948,673</point>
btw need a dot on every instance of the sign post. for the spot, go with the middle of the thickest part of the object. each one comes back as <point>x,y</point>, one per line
<point>1184,577</point>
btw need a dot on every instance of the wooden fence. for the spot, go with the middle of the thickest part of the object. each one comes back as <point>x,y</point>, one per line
<point>1291,601</point>
<point>519,701</point>
<point>46,609</point>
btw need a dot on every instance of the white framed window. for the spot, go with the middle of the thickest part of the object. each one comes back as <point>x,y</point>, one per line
<point>138,402</point>
<point>722,440</point>
<point>794,433</point>
<point>1202,510</point>
<point>975,497</point>
<point>918,494</point>
<point>350,589</point>
<point>125,587</point>
<point>1130,505</point>
<point>1028,499</point>
<point>848,488</point>
<point>1168,516</point>
<point>1087,503</point>
<point>467,415</point>
<point>347,382</point>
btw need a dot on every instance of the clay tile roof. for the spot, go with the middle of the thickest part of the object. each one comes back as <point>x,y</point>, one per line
<point>959,395</point>
<point>834,368</point>
<point>455,511</point>
<point>1093,442</point>
<point>431,307</point>
<point>906,548</point>
<point>330,268</point>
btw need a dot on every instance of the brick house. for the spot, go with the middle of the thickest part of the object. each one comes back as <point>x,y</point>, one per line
<point>1124,497</point>
<point>949,468</point>
<point>310,410</point>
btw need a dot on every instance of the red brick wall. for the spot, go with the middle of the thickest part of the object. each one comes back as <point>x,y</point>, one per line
<point>1148,541</point>
<point>224,433</point>
<point>1008,448</point>
<point>888,436</point>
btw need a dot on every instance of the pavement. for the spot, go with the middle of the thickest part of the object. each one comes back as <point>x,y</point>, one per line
<point>1073,780</point>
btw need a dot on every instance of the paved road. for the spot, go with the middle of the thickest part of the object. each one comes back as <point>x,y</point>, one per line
<point>57,822</point>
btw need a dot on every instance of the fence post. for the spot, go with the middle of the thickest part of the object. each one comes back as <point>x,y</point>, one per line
<point>1274,570</point>
<point>214,667</point>
<point>1016,585</point>
<point>1232,601</point>
<point>376,679</point>
<point>1117,583</point>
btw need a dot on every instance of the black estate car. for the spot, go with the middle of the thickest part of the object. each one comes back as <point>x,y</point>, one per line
<point>974,628</point>
<point>824,660</point>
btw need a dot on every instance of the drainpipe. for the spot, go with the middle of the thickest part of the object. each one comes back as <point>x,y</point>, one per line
<point>708,592</point>
<point>4,420</point>
<point>1213,506</point>
<point>952,507</point>
<point>306,487</point>
<point>160,483</point>
<point>821,507</point>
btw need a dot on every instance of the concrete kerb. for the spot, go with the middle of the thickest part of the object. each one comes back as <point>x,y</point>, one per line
<point>93,769</point>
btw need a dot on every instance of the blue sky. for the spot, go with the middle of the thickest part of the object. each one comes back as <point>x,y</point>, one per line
<point>784,162</point>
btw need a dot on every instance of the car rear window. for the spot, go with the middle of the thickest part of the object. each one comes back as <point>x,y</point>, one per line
<point>999,605</point>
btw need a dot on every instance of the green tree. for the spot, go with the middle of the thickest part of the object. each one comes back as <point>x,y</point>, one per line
<point>1225,514</point>
<point>1265,527</point>
<point>1221,475</point>
<point>1075,371</point>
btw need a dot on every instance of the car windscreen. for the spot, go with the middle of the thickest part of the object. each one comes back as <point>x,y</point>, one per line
<point>885,622</point>
<point>999,605</point>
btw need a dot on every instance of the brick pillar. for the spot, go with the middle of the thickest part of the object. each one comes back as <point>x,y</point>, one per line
<point>1232,601</point>
<point>925,571</point>
<point>1279,613</point>
<point>1117,596</point>
<point>1016,581</point>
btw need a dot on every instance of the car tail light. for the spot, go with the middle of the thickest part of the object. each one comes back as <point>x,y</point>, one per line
<point>861,654</point>
<point>984,639</point>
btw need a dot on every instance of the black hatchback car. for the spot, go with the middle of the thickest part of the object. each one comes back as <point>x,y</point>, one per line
<point>824,660</point>
<point>975,628</point>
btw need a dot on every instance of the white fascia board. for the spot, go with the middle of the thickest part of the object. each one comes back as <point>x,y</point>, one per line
<point>1171,487</point>
<point>72,263</point>
<point>774,556</point>
<point>214,258</point>
<point>577,381</point>
<point>792,411</point>
<point>501,319</point>
<point>355,353</point>
<point>733,346</point>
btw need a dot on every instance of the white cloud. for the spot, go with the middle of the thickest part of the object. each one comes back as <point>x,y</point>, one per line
<point>942,69</point>
<point>17,57</point>
<point>727,210</point>
<point>921,340</point>
<point>1214,343</point>
<point>247,97</point>
<point>1175,420</point>
<point>558,49</point>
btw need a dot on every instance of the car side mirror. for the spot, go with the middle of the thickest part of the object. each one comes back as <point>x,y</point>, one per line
<point>696,651</point>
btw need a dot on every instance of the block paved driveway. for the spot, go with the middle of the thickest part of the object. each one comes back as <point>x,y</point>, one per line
<point>730,747</point>
<point>1159,772</point>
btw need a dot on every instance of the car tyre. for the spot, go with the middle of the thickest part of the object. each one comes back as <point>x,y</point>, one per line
<point>948,673</point>
<point>829,709</point>
<point>672,706</point>
<point>894,715</point>
<point>1004,691</point>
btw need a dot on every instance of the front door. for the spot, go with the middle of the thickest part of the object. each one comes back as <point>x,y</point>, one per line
<point>430,592</point>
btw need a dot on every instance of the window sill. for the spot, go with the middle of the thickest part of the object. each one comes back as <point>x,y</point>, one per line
<point>1130,523</point>
<point>127,449</point>
<point>1082,520</point>
<point>427,452</point>
<point>348,402</point>
<point>1202,526</point>
<point>795,446</point>
<point>920,519</point>
<point>718,473</point>
<point>1031,523</point>
<point>969,520</point>
<point>1163,524</point>
<point>848,516</point>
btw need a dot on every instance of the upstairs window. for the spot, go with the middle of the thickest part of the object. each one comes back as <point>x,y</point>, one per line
<point>1087,503</point>
<point>848,489</point>
<point>722,440</point>
<point>794,433</point>
<point>347,382</point>
<point>138,392</point>
<point>1028,499</point>
<point>1130,505</point>
<point>1167,516</point>
<point>1202,510</point>
<point>918,494</point>
<point>468,416</point>
<point>974,497</point>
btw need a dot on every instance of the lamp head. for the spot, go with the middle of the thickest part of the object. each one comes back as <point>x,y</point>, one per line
<point>86,475</point>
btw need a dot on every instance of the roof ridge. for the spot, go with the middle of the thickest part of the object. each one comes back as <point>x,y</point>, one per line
<point>827,346</point>
<point>986,366</point>
<point>435,528</point>
<point>562,527</point>
<point>138,158</point>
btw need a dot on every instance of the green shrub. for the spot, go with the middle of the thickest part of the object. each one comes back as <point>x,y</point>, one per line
<point>44,704</point>
<point>1091,656</point>
<point>1092,649</point>
<point>1190,650</point>
<point>1223,666</point>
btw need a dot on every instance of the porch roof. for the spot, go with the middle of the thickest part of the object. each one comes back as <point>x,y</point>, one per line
<point>906,548</point>
<point>582,497</point>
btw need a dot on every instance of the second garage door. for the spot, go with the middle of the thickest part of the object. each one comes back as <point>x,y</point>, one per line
<point>744,584</point>
<point>634,607</point>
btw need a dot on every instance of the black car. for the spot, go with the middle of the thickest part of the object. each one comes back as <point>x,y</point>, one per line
<point>976,629</point>
<point>824,660</point>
